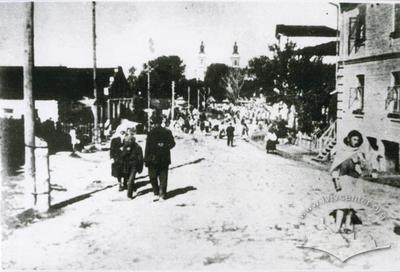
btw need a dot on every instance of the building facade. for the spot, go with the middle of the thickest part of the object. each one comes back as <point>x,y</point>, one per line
<point>368,76</point>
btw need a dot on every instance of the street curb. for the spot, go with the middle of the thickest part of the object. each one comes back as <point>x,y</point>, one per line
<point>290,156</point>
<point>390,181</point>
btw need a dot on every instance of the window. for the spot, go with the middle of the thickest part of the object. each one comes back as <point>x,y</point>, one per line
<point>356,97</point>
<point>357,34</point>
<point>393,97</point>
<point>396,18</point>
<point>396,21</point>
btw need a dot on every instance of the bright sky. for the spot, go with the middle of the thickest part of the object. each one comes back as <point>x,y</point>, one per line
<point>63,33</point>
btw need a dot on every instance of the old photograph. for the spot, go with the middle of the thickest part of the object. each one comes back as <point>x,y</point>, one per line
<point>200,135</point>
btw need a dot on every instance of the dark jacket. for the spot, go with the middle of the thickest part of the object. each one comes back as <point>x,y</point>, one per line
<point>132,156</point>
<point>115,148</point>
<point>116,154</point>
<point>229,131</point>
<point>158,145</point>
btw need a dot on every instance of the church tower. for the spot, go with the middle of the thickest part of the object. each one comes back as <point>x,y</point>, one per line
<point>201,69</point>
<point>235,58</point>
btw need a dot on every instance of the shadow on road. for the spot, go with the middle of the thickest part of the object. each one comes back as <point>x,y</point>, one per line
<point>141,184</point>
<point>188,163</point>
<point>180,191</point>
<point>25,218</point>
<point>145,192</point>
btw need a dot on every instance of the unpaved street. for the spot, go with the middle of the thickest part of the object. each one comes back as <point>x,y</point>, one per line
<point>233,208</point>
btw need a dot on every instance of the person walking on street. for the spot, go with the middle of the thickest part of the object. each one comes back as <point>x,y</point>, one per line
<point>133,163</point>
<point>116,155</point>
<point>345,171</point>
<point>158,158</point>
<point>271,140</point>
<point>230,134</point>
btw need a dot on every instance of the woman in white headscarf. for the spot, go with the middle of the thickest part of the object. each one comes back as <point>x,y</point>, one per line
<point>116,146</point>
<point>345,171</point>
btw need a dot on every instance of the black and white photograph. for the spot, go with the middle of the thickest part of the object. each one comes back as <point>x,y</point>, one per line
<point>200,135</point>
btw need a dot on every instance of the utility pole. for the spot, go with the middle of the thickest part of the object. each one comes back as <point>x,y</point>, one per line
<point>29,119</point>
<point>95,117</point>
<point>148,99</point>
<point>198,98</point>
<point>189,98</point>
<point>172,100</point>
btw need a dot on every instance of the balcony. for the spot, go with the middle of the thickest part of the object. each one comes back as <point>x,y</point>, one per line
<point>392,104</point>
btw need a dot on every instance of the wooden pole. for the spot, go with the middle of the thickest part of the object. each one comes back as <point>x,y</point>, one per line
<point>109,110</point>
<point>172,100</point>
<point>119,108</point>
<point>189,97</point>
<point>198,98</point>
<point>29,119</point>
<point>148,99</point>
<point>95,116</point>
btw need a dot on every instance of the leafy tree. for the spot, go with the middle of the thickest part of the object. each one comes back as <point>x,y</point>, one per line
<point>164,70</point>
<point>213,79</point>
<point>234,81</point>
<point>296,80</point>
<point>262,72</point>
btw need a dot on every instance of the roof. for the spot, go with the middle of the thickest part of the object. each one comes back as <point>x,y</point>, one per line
<point>55,82</point>
<point>325,49</point>
<point>304,31</point>
<point>348,6</point>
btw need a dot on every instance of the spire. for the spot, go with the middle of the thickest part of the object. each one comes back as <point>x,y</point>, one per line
<point>202,48</point>
<point>235,49</point>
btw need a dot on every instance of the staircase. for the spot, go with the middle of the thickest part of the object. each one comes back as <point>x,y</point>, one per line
<point>325,144</point>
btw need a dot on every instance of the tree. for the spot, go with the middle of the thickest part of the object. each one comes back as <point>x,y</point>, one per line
<point>164,70</point>
<point>234,81</point>
<point>213,79</point>
<point>296,80</point>
<point>262,74</point>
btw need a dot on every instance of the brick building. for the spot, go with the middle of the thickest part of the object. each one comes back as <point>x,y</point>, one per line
<point>368,77</point>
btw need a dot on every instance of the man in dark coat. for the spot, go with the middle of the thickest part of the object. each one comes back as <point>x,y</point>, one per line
<point>158,157</point>
<point>133,163</point>
<point>230,134</point>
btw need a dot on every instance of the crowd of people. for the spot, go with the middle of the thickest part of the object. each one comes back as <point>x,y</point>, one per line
<point>243,120</point>
<point>229,121</point>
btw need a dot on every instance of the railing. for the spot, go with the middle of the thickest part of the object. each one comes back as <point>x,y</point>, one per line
<point>393,96</point>
<point>328,136</point>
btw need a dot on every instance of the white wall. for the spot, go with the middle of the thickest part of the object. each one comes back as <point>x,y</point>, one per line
<point>46,109</point>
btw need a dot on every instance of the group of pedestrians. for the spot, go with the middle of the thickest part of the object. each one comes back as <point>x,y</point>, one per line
<point>127,159</point>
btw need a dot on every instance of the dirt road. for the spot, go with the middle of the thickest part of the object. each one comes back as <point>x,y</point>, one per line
<point>228,208</point>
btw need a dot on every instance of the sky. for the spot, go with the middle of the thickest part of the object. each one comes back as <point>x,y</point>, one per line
<point>130,33</point>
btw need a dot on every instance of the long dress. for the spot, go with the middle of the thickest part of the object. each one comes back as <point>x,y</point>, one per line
<point>116,154</point>
<point>347,178</point>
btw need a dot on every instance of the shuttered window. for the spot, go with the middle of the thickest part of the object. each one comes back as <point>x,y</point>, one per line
<point>397,18</point>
